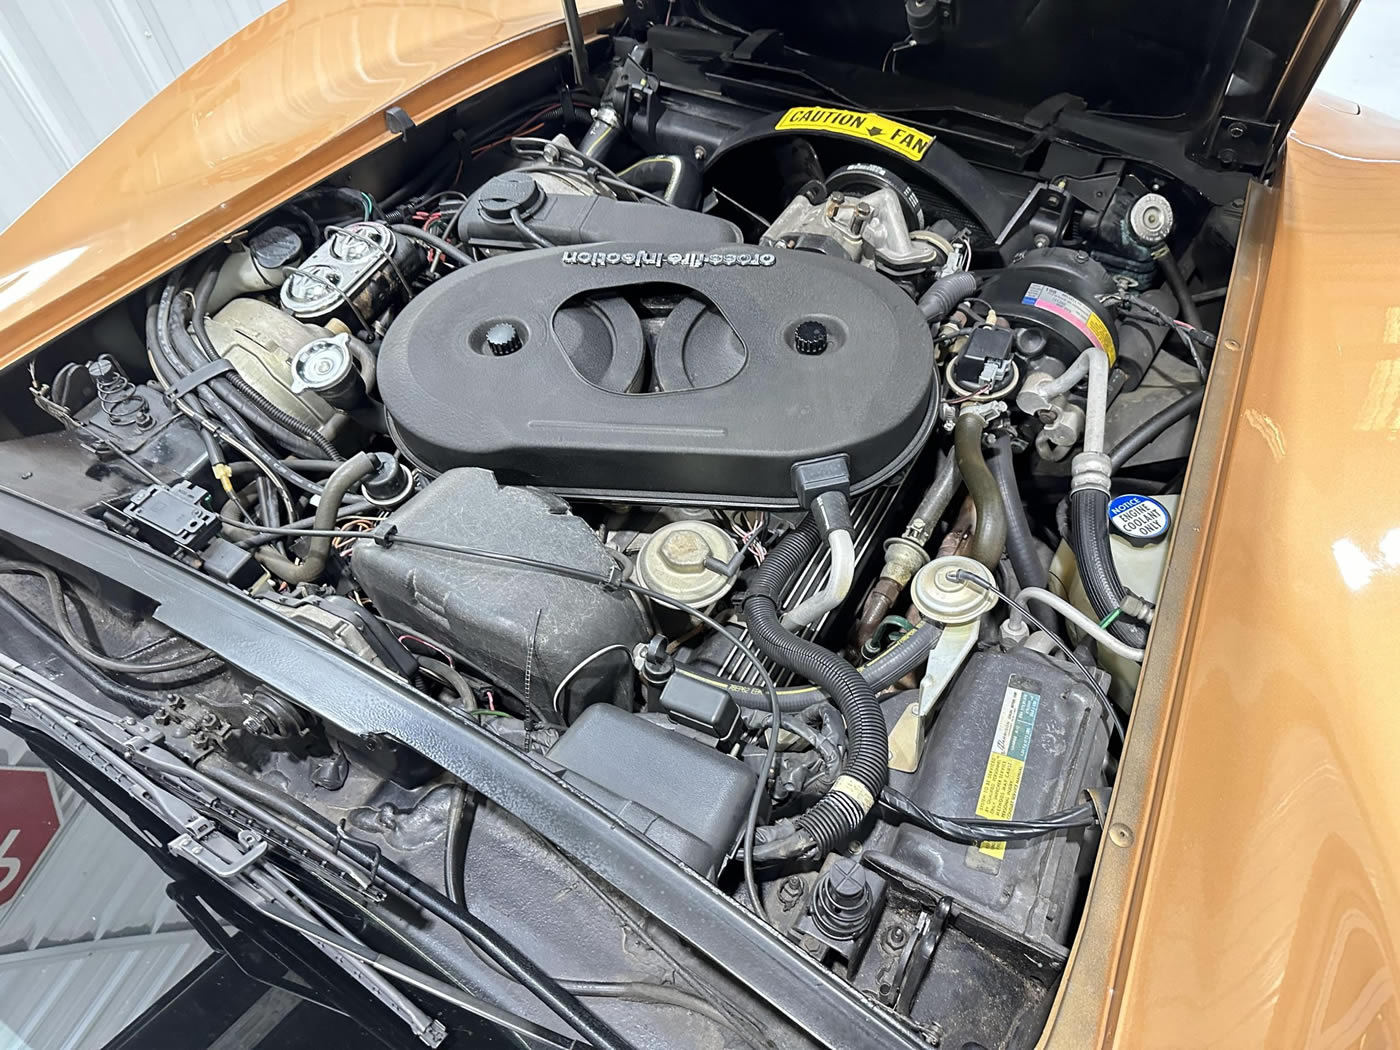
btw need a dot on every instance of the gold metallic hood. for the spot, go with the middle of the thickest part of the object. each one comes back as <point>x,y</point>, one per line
<point>280,106</point>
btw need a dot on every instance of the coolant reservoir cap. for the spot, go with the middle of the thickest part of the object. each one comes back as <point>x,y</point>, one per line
<point>1141,520</point>
<point>941,595</point>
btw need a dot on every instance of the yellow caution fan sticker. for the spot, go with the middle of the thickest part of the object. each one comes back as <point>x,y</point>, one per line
<point>1001,783</point>
<point>869,127</point>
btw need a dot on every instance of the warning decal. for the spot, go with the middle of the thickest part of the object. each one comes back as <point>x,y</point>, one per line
<point>904,140</point>
<point>1002,781</point>
<point>1076,312</point>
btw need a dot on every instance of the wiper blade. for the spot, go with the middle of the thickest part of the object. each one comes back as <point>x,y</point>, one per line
<point>441,989</point>
<point>125,749</point>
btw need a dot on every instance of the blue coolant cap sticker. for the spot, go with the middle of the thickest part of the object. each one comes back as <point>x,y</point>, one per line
<point>1139,519</point>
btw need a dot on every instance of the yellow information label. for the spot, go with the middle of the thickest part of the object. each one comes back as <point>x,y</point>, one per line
<point>1001,783</point>
<point>1000,786</point>
<point>871,127</point>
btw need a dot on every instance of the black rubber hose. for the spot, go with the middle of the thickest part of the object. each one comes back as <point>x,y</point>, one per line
<point>260,411</point>
<point>1154,427</point>
<point>432,240</point>
<point>909,651</point>
<point>1176,281</point>
<point>989,534</point>
<point>675,178</point>
<point>193,356</point>
<point>429,179</point>
<point>136,701</point>
<point>511,959</point>
<point>74,641</point>
<point>599,139</point>
<point>1088,512</point>
<point>836,816</point>
<point>1020,546</point>
<point>346,476</point>
<point>174,353</point>
<point>945,293</point>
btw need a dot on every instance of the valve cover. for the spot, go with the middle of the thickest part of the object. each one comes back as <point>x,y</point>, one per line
<point>640,373</point>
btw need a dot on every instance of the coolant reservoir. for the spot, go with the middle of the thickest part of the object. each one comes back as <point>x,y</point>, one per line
<point>1139,533</point>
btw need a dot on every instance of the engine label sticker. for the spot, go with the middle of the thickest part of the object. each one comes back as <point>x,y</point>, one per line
<point>869,127</point>
<point>1140,518</point>
<point>1076,312</point>
<point>1001,783</point>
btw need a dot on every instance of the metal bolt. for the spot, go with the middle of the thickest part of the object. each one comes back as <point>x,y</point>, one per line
<point>1228,157</point>
<point>25,475</point>
<point>1041,241</point>
<point>790,892</point>
<point>810,945</point>
<point>1120,835</point>
<point>896,937</point>
<point>700,153</point>
<point>1236,131</point>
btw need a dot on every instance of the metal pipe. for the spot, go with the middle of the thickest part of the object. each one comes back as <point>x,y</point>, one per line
<point>577,51</point>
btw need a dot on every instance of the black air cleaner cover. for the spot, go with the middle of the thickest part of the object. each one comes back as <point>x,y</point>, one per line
<point>649,374</point>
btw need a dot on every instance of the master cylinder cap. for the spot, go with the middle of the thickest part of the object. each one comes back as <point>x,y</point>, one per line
<point>672,561</point>
<point>940,595</point>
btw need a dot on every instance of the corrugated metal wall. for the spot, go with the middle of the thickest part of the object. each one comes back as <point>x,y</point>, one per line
<point>72,70</point>
<point>92,939</point>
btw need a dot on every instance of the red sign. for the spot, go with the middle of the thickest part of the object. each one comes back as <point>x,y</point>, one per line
<point>28,823</point>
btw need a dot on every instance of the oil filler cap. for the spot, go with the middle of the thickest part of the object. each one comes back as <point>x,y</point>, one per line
<point>1140,520</point>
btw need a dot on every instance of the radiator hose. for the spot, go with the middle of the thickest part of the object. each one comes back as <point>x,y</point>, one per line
<point>908,652</point>
<point>1020,545</point>
<point>1088,512</point>
<point>345,477</point>
<point>836,816</point>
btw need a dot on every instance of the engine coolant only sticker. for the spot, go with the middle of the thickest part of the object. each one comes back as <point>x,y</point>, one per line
<point>1140,518</point>
<point>1001,783</point>
<point>869,127</point>
<point>1076,312</point>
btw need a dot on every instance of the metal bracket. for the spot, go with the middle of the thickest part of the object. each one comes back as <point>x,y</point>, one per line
<point>944,659</point>
<point>914,963</point>
<point>1239,143</point>
<point>214,851</point>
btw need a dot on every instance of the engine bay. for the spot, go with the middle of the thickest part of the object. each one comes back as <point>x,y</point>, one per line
<point>793,483</point>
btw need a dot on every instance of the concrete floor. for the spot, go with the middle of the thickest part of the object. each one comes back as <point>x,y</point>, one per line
<point>1365,67</point>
